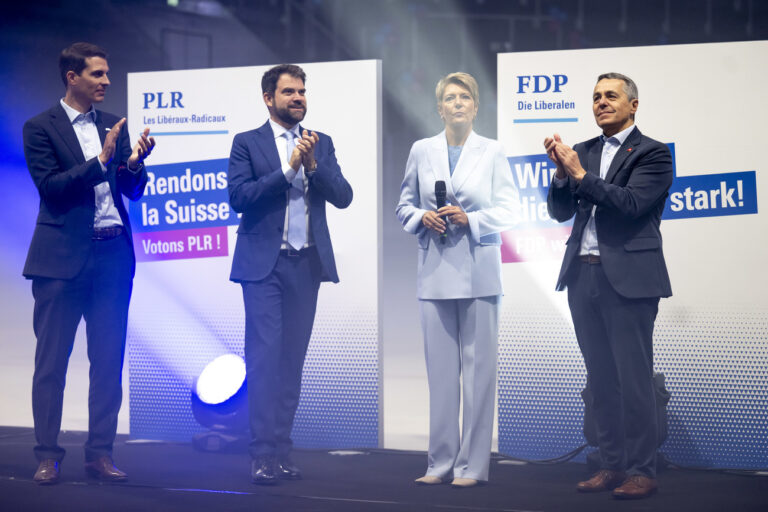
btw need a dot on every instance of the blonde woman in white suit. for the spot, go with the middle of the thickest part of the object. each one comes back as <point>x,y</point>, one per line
<point>459,278</point>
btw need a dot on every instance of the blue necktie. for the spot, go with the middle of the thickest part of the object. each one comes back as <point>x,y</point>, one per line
<point>297,222</point>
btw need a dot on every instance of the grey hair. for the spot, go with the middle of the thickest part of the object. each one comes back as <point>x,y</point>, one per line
<point>630,88</point>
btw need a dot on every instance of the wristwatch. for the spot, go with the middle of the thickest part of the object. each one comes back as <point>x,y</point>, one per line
<point>138,168</point>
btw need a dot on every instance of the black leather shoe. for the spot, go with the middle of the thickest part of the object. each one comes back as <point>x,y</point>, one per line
<point>287,469</point>
<point>104,469</point>
<point>263,470</point>
<point>47,472</point>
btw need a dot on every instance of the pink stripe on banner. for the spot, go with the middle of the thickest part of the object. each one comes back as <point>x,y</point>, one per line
<point>534,244</point>
<point>181,244</point>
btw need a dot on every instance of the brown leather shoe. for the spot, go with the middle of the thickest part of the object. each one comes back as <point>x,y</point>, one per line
<point>104,469</point>
<point>636,487</point>
<point>603,480</point>
<point>47,472</point>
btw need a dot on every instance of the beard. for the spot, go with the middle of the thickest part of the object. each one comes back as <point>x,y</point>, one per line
<point>291,117</point>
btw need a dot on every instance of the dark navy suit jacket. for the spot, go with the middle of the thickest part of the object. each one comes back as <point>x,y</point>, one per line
<point>630,201</point>
<point>257,189</point>
<point>61,242</point>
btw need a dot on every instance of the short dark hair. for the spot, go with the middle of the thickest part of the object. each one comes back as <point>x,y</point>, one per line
<point>270,78</point>
<point>73,58</point>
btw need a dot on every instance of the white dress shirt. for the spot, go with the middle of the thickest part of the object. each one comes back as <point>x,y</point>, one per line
<point>611,146</point>
<point>106,214</point>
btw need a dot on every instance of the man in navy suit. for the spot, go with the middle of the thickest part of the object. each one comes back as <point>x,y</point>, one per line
<point>81,259</point>
<point>614,269</point>
<point>280,178</point>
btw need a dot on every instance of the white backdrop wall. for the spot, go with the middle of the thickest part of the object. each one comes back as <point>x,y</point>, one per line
<point>711,339</point>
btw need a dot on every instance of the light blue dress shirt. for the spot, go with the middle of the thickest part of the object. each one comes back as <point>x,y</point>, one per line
<point>290,173</point>
<point>454,152</point>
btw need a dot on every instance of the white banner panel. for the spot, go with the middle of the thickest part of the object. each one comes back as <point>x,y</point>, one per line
<point>185,311</point>
<point>711,340</point>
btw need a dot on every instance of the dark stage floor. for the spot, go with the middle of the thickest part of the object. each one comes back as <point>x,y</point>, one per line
<point>175,477</point>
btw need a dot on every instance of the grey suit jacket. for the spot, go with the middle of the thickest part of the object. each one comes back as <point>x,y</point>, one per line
<point>468,264</point>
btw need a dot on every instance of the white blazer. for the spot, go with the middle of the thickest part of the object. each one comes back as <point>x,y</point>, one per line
<point>468,264</point>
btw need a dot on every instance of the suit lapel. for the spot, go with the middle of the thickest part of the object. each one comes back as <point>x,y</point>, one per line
<point>309,190</point>
<point>438,161</point>
<point>111,174</point>
<point>265,140</point>
<point>594,156</point>
<point>102,129</point>
<point>470,156</point>
<point>63,125</point>
<point>622,154</point>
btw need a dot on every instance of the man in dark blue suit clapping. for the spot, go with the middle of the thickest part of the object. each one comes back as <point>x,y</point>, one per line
<point>81,259</point>
<point>280,178</point>
<point>615,185</point>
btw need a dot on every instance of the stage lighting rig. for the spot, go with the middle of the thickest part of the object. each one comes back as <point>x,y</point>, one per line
<point>220,403</point>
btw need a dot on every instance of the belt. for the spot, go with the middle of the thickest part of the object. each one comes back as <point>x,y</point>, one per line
<point>107,233</point>
<point>290,252</point>
<point>592,259</point>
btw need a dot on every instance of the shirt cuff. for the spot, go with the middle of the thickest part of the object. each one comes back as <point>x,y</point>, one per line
<point>289,173</point>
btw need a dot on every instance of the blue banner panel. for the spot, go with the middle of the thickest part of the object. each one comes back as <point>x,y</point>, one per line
<point>532,175</point>
<point>184,195</point>
<point>712,195</point>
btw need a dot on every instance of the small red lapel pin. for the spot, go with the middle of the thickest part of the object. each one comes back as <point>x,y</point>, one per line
<point>629,150</point>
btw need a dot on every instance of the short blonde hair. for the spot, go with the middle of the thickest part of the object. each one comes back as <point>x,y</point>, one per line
<point>464,80</point>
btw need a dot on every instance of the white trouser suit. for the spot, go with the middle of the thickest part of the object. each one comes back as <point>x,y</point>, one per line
<point>459,290</point>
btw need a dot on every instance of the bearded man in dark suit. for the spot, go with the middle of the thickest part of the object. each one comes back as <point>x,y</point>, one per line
<point>281,176</point>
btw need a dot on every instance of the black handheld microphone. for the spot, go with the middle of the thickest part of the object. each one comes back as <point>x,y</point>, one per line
<point>440,200</point>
